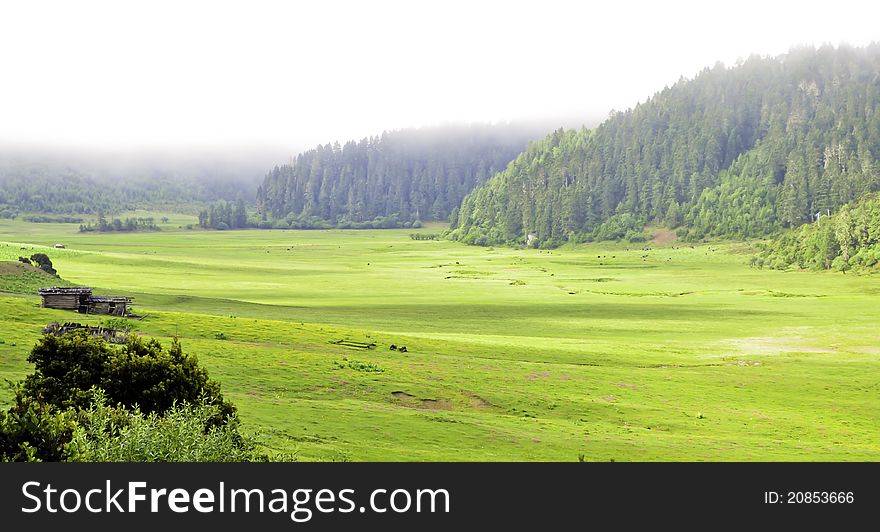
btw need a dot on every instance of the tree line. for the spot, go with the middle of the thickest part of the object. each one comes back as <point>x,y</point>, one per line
<point>224,215</point>
<point>734,152</point>
<point>846,240</point>
<point>46,188</point>
<point>391,180</point>
<point>117,225</point>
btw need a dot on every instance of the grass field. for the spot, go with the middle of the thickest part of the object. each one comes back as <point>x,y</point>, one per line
<point>609,351</point>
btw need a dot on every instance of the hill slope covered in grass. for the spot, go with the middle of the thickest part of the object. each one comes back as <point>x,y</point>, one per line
<point>20,278</point>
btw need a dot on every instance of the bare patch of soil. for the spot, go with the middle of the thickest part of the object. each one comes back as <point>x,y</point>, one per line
<point>664,236</point>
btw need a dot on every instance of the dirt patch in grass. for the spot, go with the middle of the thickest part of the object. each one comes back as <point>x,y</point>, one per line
<point>403,395</point>
<point>664,236</point>
<point>477,402</point>
<point>436,404</point>
<point>410,400</point>
<point>788,341</point>
<point>774,293</point>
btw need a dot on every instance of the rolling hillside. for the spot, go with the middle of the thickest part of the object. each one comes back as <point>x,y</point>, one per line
<point>735,152</point>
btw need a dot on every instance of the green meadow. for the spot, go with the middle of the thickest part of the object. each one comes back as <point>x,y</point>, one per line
<point>596,352</point>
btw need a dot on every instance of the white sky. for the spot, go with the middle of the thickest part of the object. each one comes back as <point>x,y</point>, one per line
<point>260,74</point>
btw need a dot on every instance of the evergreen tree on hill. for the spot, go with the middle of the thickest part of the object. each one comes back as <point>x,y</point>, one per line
<point>735,152</point>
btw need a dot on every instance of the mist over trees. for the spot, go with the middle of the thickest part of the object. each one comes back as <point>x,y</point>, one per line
<point>390,180</point>
<point>70,183</point>
<point>736,152</point>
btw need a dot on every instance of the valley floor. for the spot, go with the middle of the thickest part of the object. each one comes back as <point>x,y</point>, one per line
<point>606,352</point>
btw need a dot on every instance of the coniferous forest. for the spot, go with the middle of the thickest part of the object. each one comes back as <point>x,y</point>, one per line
<point>82,188</point>
<point>742,327</point>
<point>391,180</point>
<point>735,152</point>
<point>848,239</point>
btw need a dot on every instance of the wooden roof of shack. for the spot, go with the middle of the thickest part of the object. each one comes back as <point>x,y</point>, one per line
<point>55,290</point>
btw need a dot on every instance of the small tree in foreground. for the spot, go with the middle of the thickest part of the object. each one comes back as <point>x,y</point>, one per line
<point>43,262</point>
<point>139,373</point>
<point>88,400</point>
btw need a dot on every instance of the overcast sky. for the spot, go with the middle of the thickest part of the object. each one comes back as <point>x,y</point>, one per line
<point>285,75</point>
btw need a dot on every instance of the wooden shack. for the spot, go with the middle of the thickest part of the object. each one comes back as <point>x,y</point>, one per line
<point>80,299</point>
<point>113,305</point>
<point>76,299</point>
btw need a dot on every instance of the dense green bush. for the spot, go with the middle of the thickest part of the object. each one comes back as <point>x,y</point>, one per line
<point>139,373</point>
<point>424,236</point>
<point>33,431</point>
<point>164,406</point>
<point>621,226</point>
<point>849,239</point>
<point>43,262</point>
<point>113,434</point>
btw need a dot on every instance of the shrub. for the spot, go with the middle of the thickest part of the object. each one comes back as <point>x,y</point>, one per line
<point>166,408</point>
<point>140,372</point>
<point>121,324</point>
<point>42,261</point>
<point>424,236</point>
<point>359,365</point>
<point>111,434</point>
<point>620,226</point>
<point>34,432</point>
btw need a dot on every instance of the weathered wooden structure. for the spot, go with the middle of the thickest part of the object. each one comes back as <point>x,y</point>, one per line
<point>80,299</point>
<point>114,336</point>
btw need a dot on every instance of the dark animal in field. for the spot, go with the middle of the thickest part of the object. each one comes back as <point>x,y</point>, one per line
<point>402,349</point>
<point>393,347</point>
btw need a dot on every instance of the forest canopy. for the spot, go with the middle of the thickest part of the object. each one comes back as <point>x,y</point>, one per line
<point>41,183</point>
<point>735,152</point>
<point>390,180</point>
